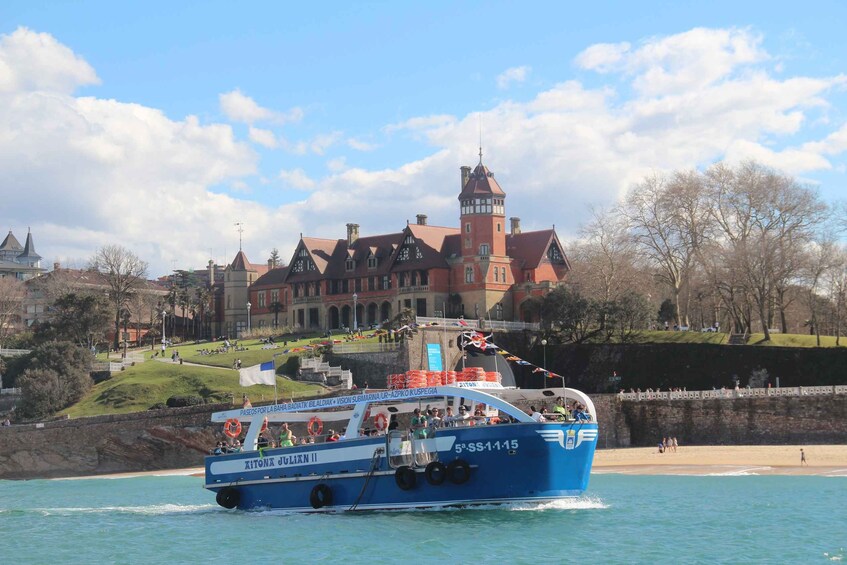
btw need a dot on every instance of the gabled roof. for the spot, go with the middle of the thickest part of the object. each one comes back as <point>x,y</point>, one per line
<point>430,241</point>
<point>11,243</point>
<point>29,249</point>
<point>530,248</point>
<point>481,183</point>
<point>273,278</point>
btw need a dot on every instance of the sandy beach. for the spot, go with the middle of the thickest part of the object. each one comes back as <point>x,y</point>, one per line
<point>824,460</point>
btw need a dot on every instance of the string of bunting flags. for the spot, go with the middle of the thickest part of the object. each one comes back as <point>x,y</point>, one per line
<point>475,343</point>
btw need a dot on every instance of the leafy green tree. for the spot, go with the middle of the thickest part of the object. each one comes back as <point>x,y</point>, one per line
<point>570,314</point>
<point>80,318</point>
<point>58,376</point>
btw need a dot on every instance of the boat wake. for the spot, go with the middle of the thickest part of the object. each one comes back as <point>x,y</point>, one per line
<point>746,472</point>
<point>151,510</point>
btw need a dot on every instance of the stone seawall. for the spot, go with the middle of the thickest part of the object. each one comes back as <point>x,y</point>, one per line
<point>145,441</point>
<point>180,437</point>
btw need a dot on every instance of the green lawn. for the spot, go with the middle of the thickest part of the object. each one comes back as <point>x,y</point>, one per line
<point>794,340</point>
<point>678,337</point>
<point>139,387</point>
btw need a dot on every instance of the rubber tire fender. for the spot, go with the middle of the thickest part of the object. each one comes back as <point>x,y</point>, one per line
<point>458,471</point>
<point>320,496</point>
<point>435,473</point>
<point>405,477</point>
<point>228,497</point>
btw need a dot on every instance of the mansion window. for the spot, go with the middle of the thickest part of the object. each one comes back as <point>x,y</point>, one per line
<point>498,311</point>
<point>349,264</point>
<point>409,240</point>
<point>386,282</point>
<point>317,289</point>
<point>403,255</point>
<point>528,276</point>
<point>262,299</point>
<point>468,274</point>
<point>554,254</point>
<point>418,254</point>
<point>483,250</point>
<point>503,271</point>
<point>496,274</point>
<point>274,296</point>
<point>483,206</point>
<point>468,243</point>
<point>423,277</point>
<point>358,285</point>
<point>372,261</point>
<point>372,283</point>
<point>467,228</point>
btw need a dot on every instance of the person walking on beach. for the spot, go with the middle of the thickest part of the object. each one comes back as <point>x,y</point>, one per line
<point>802,457</point>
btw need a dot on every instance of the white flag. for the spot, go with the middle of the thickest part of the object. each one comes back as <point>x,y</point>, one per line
<point>263,374</point>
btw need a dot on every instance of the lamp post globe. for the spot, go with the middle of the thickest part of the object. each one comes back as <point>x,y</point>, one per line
<point>355,321</point>
<point>544,345</point>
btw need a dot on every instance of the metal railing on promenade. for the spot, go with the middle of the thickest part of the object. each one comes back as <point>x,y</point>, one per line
<point>476,325</point>
<point>735,393</point>
<point>13,390</point>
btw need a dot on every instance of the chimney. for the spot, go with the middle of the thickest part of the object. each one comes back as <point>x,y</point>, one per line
<point>56,266</point>
<point>270,264</point>
<point>421,219</point>
<point>466,174</point>
<point>211,272</point>
<point>352,233</point>
<point>516,225</point>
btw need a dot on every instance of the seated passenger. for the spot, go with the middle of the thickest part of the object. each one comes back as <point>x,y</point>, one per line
<point>536,415</point>
<point>560,410</point>
<point>463,417</point>
<point>332,436</point>
<point>219,448</point>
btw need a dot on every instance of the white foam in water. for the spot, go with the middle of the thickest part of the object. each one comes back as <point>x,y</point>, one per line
<point>748,472</point>
<point>152,510</point>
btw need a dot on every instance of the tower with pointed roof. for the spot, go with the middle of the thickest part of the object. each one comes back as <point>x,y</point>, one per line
<point>19,262</point>
<point>238,277</point>
<point>482,275</point>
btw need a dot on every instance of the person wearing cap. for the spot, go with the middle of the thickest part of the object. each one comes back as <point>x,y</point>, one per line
<point>463,415</point>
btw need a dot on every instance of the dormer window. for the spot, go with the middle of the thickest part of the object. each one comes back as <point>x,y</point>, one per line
<point>409,239</point>
<point>349,264</point>
<point>372,261</point>
<point>303,252</point>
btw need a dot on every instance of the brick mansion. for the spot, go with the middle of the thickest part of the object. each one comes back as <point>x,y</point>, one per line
<point>480,269</point>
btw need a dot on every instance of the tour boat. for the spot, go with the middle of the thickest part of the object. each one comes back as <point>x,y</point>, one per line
<point>501,455</point>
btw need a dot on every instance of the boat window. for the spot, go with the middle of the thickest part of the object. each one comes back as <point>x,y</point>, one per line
<point>399,448</point>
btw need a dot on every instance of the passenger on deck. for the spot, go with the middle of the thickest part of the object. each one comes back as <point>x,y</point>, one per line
<point>434,421</point>
<point>536,415</point>
<point>333,436</point>
<point>286,436</point>
<point>418,424</point>
<point>560,410</point>
<point>392,423</point>
<point>464,417</point>
<point>219,448</point>
<point>236,448</point>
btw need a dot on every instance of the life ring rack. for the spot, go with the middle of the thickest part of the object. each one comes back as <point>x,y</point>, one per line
<point>232,428</point>
<point>315,421</point>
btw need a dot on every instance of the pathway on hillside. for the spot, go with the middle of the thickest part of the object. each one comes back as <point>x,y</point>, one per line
<point>169,362</point>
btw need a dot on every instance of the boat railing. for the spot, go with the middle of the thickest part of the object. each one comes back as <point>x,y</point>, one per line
<point>400,450</point>
<point>726,393</point>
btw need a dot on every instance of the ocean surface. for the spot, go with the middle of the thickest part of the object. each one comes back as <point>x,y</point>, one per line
<point>622,519</point>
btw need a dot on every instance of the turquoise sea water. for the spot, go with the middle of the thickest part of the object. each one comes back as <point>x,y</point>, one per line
<point>623,519</point>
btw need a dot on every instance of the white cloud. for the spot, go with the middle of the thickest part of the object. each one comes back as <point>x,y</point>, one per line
<point>512,75</point>
<point>239,107</point>
<point>263,137</point>
<point>31,62</point>
<point>421,123</point>
<point>321,143</point>
<point>360,145</point>
<point>297,178</point>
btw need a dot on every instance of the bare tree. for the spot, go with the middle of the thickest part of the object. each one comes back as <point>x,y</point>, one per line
<point>822,261</point>
<point>12,292</point>
<point>667,217</point>
<point>763,220</point>
<point>124,274</point>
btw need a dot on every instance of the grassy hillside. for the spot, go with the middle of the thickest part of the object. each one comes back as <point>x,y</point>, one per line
<point>678,337</point>
<point>795,340</point>
<point>139,387</point>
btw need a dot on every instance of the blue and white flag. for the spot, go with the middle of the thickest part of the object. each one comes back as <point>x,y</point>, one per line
<point>263,374</point>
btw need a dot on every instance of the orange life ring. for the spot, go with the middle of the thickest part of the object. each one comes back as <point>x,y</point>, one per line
<point>232,428</point>
<point>380,421</point>
<point>312,422</point>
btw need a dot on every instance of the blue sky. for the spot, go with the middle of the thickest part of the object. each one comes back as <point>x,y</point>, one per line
<point>160,125</point>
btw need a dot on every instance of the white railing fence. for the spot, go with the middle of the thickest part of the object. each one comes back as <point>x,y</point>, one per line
<point>735,393</point>
<point>13,352</point>
<point>475,324</point>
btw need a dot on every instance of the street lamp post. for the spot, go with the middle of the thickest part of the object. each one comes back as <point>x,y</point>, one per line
<point>164,314</point>
<point>355,322</point>
<point>248,317</point>
<point>544,345</point>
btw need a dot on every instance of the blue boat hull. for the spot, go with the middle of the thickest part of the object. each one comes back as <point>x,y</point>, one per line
<point>504,463</point>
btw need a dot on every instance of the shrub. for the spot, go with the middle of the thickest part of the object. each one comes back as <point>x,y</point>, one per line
<point>180,401</point>
<point>290,367</point>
